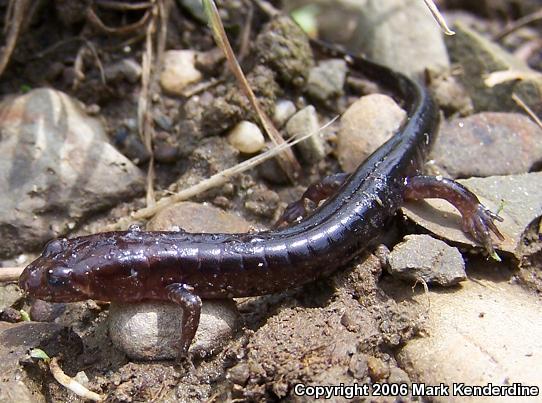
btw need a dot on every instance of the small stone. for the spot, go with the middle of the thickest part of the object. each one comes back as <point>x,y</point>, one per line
<point>284,109</point>
<point>196,217</point>
<point>246,137</point>
<point>239,374</point>
<point>179,71</point>
<point>326,80</point>
<point>478,145</point>
<point>378,369</point>
<point>262,201</point>
<point>397,375</point>
<point>358,366</point>
<point>151,331</point>
<point>421,257</point>
<point>366,124</point>
<point>306,122</point>
<point>128,69</point>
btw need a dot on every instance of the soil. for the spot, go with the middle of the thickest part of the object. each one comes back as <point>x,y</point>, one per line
<point>347,328</point>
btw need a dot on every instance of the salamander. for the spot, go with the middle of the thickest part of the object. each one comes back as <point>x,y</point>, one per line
<point>134,265</point>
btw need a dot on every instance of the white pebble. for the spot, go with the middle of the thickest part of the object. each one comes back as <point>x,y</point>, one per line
<point>246,137</point>
<point>284,109</point>
<point>179,71</point>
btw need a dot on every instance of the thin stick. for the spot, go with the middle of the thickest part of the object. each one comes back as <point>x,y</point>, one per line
<point>438,17</point>
<point>527,109</point>
<point>287,160</point>
<point>8,274</point>
<point>18,7</point>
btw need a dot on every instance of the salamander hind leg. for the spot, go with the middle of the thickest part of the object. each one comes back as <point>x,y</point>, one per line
<point>315,193</point>
<point>478,221</point>
<point>190,303</point>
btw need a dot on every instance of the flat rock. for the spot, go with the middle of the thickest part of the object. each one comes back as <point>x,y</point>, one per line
<point>9,293</point>
<point>196,217</point>
<point>481,145</point>
<point>421,257</point>
<point>15,342</point>
<point>365,125</point>
<point>151,331</point>
<point>57,166</point>
<point>384,32</point>
<point>478,57</point>
<point>520,195</point>
<point>485,332</point>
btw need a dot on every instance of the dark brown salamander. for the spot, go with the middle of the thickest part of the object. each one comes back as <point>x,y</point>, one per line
<point>182,267</point>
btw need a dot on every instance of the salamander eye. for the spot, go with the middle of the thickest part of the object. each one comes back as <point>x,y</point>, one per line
<point>54,247</point>
<point>58,277</point>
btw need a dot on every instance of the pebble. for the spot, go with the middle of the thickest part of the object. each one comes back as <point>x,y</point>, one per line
<point>302,123</point>
<point>152,330</point>
<point>480,145</point>
<point>384,32</point>
<point>421,257</point>
<point>246,137</point>
<point>378,369</point>
<point>478,57</point>
<point>196,217</point>
<point>128,69</point>
<point>57,166</point>
<point>365,125</point>
<point>326,80</point>
<point>179,71</point>
<point>284,109</point>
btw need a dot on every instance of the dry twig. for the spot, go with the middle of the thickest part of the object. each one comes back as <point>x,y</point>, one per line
<point>523,21</point>
<point>527,109</point>
<point>8,274</point>
<point>438,17</point>
<point>72,384</point>
<point>12,26</point>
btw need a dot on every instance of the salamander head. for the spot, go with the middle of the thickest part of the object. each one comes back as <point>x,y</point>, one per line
<point>54,276</point>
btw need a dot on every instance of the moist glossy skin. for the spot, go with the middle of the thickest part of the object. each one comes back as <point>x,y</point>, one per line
<point>136,265</point>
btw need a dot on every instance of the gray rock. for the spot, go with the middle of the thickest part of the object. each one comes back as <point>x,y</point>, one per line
<point>302,123</point>
<point>326,80</point>
<point>15,342</point>
<point>151,331</point>
<point>520,196</point>
<point>421,257</point>
<point>478,57</point>
<point>482,145</point>
<point>385,32</point>
<point>365,125</point>
<point>57,166</point>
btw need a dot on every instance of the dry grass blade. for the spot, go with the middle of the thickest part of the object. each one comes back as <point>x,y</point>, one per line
<point>438,17</point>
<point>502,76</point>
<point>14,19</point>
<point>209,183</point>
<point>527,109</point>
<point>122,5</point>
<point>10,273</point>
<point>287,160</point>
<point>97,23</point>
<point>72,384</point>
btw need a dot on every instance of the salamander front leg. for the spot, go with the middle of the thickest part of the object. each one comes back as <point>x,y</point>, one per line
<point>477,220</point>
<point>191,305</point>
<point>315,193</point>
